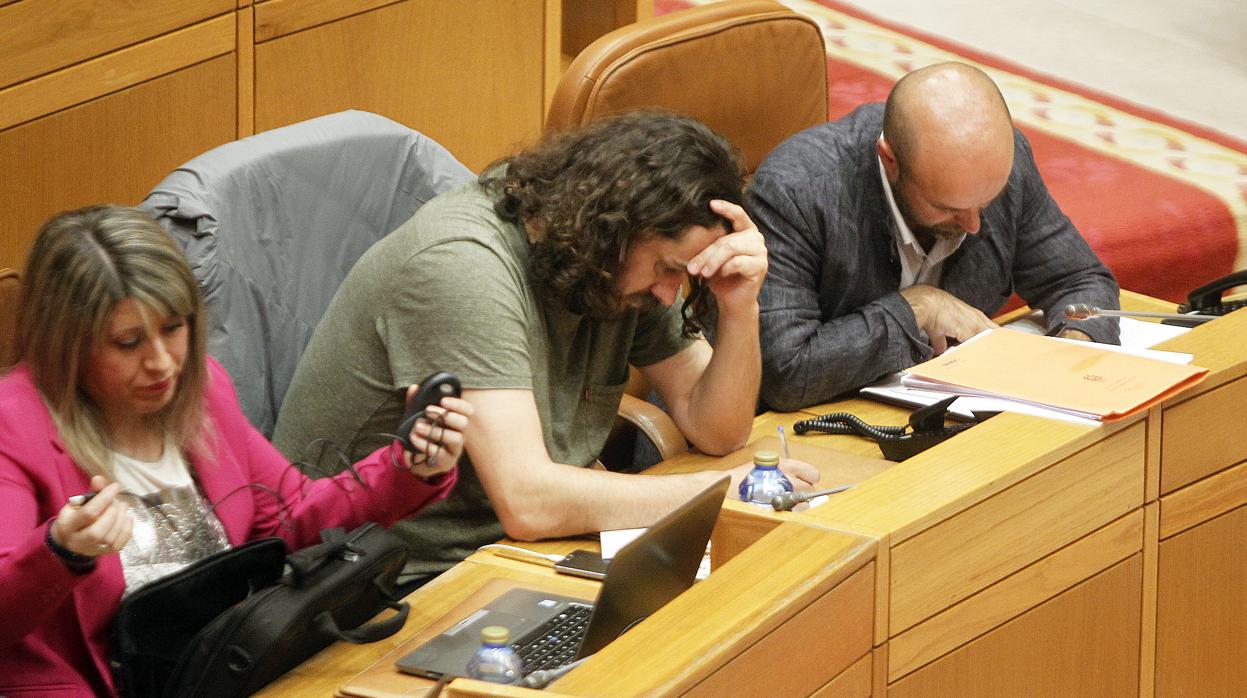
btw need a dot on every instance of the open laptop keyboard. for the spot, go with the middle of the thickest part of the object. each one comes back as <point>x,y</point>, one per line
<point>554,643</point>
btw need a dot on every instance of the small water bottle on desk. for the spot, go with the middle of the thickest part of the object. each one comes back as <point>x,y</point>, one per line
<point>764,481</point>
<point>495,661</point>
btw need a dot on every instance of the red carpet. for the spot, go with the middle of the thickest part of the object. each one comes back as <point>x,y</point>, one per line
<point>1163,202</point>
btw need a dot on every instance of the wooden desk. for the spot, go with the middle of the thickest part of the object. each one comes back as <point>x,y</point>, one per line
<point>751,613</point>
<point>1022,557</point>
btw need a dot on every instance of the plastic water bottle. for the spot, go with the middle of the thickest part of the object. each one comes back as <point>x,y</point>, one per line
<point>764,481</point>
<point>495,661</point>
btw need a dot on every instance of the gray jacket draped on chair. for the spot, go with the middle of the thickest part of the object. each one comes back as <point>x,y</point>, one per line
<point>272,224</point>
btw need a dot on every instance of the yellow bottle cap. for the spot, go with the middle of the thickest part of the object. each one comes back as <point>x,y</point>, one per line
<point>495,635</point>
<point>770,458</point>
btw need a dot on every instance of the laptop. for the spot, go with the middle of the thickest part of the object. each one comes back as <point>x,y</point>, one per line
<point>549,630</point>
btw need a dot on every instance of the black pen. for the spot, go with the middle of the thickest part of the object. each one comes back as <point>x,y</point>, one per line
<point>80,499</point>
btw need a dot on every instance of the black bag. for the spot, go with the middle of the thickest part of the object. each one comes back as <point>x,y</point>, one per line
<point>157,622</point>
<point>330,591</point>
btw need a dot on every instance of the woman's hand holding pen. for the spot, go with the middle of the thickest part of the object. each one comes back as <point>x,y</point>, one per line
<point>98,526</point>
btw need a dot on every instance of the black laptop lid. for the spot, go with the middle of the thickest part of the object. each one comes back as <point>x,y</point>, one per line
<point>654,569</point>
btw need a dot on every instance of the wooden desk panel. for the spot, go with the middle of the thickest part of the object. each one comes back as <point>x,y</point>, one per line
<point>1204,500</point>
<point>822,640</point>
<point>1202,435</point>
<point>1014,595</point>
<point>1084,642</point>
<point>854,682</point>
<point>736,610</point>
<point>953,476</point>
<point>1201,614</point>
<point>1016,527</point>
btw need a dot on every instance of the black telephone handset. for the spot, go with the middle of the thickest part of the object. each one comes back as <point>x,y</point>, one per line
<point>1206,300</point>
<point>926,428</point>
<point>432,390</point>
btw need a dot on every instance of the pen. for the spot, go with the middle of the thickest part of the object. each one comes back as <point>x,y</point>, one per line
<point>1056,330</point>
<point>783,440</point>
<point>80,499</point>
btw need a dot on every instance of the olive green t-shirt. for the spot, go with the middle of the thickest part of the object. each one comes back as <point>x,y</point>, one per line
<point>449,290</point>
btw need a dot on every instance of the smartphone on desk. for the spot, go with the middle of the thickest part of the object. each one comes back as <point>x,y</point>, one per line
<point>583,563</point>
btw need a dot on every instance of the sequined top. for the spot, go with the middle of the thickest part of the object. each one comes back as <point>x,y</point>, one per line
<point>174,525</point>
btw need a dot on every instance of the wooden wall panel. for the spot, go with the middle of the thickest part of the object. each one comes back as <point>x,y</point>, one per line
<point>10,288</point>
<point>411,62</point>
<point>42,36</point>
<point>111,149</point>
<point>1201,615</point>
<point>1187,452</point>
<point>246,71</point>
<point>1073,645</point>
<point>276,18</point>
<point>586,20</point>
<point>1001,535</point>
<point>117,71</point>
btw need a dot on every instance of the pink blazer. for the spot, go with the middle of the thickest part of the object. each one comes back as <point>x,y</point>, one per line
<point>54,636</point>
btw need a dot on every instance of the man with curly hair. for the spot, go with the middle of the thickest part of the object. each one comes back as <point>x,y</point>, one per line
<point>538,285</point>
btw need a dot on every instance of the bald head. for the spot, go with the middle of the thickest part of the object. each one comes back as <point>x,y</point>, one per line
<point>947,111</point>
<point>947,147</point>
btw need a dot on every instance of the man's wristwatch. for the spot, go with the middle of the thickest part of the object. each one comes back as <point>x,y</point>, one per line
<point>78,564</point>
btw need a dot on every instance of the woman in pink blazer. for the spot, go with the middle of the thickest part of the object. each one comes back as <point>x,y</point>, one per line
<point>115,396</point>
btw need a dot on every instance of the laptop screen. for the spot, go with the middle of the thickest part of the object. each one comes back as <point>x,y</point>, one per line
<point>655,568</point>
<point>643,576</point>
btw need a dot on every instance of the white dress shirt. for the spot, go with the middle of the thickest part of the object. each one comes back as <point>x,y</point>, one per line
<point>917,265</point>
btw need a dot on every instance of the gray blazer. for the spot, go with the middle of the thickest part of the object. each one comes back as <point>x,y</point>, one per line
<point>832,317</point>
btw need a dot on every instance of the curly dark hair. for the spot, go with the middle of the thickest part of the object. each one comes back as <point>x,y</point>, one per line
<point>597,190</point>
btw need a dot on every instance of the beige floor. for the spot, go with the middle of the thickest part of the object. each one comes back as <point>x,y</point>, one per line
<point>1185,58</point>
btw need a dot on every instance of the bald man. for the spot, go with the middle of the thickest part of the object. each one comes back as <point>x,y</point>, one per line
<point>901,229</point>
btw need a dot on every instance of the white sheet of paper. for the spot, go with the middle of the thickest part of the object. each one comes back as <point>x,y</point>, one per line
<point>1138,334</point>
<point>612,541</point>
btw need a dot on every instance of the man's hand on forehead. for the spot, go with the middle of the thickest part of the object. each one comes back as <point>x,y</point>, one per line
<point>735,263</point>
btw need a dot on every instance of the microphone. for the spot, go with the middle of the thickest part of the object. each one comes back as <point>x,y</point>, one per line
<point>1082,311</point>
<point>785,501</point>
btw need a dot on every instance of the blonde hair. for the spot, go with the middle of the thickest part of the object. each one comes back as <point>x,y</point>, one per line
<point>81,265</point>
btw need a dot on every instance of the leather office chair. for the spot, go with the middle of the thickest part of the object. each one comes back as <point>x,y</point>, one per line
<point>10,286</point>
<point>752,70</point>
<point>272,224</point>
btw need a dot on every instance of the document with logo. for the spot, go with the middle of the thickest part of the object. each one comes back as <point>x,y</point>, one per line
<point>1080,378</point>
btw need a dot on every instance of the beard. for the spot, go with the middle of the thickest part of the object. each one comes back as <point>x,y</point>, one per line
<point>623,305</point>
<point>641,302</point>
<point>927,233</point>
<point>947,231</point>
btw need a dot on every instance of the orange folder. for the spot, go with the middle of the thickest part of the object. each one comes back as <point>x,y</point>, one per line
<point>1072,376</point>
